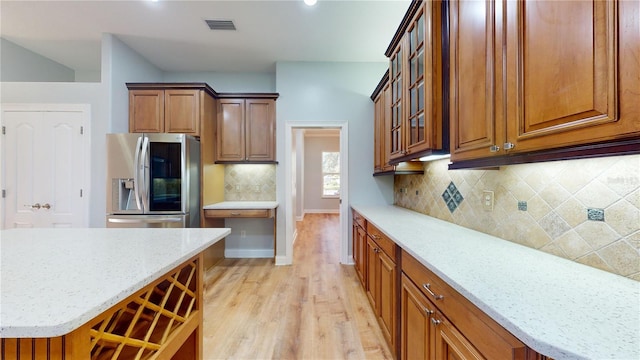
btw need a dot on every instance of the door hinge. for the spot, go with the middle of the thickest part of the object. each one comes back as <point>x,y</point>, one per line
<point>80,192</point>
<point>81,130</point>
<point>4,193</point>
<point>4,130</point>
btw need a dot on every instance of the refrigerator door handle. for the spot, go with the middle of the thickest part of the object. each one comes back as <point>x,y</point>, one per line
<point>136,172</point>
<point>146,221</point>
<point>144,167</point>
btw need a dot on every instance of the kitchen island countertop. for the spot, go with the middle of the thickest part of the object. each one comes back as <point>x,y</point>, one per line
<point>55,280</point>
<point>557,307</point>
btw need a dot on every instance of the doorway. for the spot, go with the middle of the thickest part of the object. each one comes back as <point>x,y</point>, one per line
<point>45,154</point>
<point>291,195</point>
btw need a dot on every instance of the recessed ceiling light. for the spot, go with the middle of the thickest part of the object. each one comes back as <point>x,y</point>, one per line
<point>310,2</point>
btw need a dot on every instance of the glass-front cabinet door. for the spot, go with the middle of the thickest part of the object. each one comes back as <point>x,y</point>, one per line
<point>395,80</point>
<point>416,133</point>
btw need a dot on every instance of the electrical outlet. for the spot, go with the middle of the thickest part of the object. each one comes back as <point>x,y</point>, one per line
<point>243,234</point>
<point>257,188</point>
<point>237,187</point>
<point>487,200</point>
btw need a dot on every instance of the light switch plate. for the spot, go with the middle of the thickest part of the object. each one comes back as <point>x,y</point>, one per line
<point>487,200</point>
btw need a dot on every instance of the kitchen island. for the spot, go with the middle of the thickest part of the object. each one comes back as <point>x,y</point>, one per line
<point>102,293</point>
<point>559,308</point>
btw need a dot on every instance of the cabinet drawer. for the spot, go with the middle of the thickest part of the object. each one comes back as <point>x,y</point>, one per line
<point>491,339</point>
<point>358,219</point>
<point>387,245</point>
<point>240,213</point>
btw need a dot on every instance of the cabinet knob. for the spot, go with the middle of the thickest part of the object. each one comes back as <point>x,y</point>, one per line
<point>494,148</point>
<point>435,321</point>
<point>46,206</point>
<point>509,146</point>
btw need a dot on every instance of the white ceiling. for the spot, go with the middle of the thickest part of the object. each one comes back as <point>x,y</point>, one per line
<point>172,34</point>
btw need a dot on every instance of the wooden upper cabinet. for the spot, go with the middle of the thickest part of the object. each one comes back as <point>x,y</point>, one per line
<point>161,110</point>
<point>260,130</point>
<point>528,77</point>
<point>396,144</point>
<point>146,111</point>
<point>182,111</point>
<point>230,136</point>
<point>562,73</point>
<point>415,77</point>
<point>246,130</point>
<point>473,62</point>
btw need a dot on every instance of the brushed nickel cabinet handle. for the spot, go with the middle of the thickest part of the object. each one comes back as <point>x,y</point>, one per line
<point>46,206</point>
<point>435,321</point>
<point>235,213</point>
<point>427,287</point>
<point>494,148</point>
<point>34,206</point>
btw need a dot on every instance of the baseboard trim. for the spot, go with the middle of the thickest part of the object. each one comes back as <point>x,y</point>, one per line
<point>248,253</point>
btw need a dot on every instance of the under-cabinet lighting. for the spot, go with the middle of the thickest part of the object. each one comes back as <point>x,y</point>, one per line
<point>310,2</point>
<point>433,157</point>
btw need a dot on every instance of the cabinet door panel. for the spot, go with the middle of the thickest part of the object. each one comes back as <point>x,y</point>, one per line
<point>475,63</point>
<point>387,299</point>
<point>230,139</point>
<point>182,111</point>
<point>360,251</point>
<point>260,130</point>
<point>146,111</point>
<point>450,344</point>
<point>415,321</point>
<point>561,73</point>
<point>372,274</point>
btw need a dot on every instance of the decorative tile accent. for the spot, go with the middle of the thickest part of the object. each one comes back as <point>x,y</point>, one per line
<point>522,205</point>
<point>595,214</point>
<point>451,197</point>
<point>557,196</point>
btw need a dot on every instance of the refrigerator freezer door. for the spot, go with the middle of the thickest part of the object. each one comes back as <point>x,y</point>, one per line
<point>123,179</point>
<point>147,221</point>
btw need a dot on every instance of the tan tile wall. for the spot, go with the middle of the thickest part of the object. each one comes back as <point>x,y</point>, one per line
<point>558,195</point>
<point>255,182</point>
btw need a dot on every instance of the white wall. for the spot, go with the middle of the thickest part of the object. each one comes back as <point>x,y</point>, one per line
<point>227,82</point>
<point>21,65</point>
<point>120,65</point>
<point>313,148</point>
<point>331,92</point>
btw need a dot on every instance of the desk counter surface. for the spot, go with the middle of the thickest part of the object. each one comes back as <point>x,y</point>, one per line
<point>55,280</point>
<point>241,205</point>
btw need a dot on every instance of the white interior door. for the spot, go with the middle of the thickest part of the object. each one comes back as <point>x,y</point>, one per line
<point>44,168</point>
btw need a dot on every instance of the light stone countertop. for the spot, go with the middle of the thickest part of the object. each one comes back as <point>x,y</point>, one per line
<point>241,205</point>
<point>55,280</point>
<point>557,307</point>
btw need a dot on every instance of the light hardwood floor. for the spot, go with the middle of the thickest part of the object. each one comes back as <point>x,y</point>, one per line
<point>313,309</point>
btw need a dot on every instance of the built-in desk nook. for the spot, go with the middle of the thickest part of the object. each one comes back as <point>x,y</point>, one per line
<point>244,209</point>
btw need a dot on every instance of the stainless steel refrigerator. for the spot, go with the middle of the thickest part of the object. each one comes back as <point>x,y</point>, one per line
<point>153,180</point>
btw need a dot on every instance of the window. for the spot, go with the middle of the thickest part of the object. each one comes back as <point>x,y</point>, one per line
<point>330,174</point>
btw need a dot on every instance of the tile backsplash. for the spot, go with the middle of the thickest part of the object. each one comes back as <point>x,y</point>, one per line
<point>586,210</point>
<point>255,182</point>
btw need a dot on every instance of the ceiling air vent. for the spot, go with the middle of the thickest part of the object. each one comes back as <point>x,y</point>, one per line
<point>220,24</point>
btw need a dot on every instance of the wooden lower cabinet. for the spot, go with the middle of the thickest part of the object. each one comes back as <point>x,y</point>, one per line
<point>416,312</point>
<point>451,326</point>
<point>359,246</point>
<point>381,284</point>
